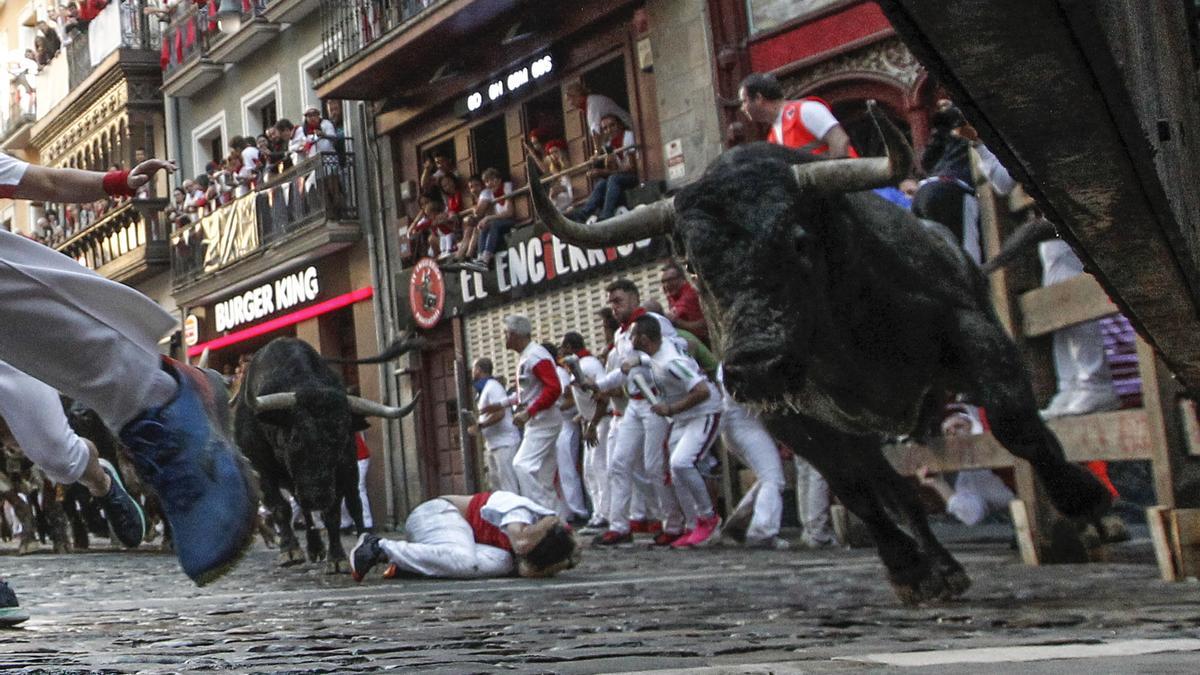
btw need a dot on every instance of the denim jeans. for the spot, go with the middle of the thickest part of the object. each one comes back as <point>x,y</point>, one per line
<point>492,237</point>
<point>606,196</point>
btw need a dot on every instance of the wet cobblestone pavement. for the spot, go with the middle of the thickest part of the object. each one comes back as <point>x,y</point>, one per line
<point>628,609</point>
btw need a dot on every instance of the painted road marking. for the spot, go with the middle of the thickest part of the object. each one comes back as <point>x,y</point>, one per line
<point>1018,653</point>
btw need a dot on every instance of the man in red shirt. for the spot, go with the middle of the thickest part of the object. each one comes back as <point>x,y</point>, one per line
<point>683,302</point>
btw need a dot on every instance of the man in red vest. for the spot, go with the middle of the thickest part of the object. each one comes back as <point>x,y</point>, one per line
<point>807,124</point>
<point>489,534</point>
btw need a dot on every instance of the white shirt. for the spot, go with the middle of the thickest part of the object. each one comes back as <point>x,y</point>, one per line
<point>564,382</point>
<point>675,375</point>
<point>585,401</point>
<point>502,209</point>
<point>623,349</point>
<point>815,117</point>
<point>505,508</point>
<point>503,433</point>
<point>977,493</point>
<point>12,170</point>
<point>599,105</point>
<point>251,160</point>
<point>529,387</point>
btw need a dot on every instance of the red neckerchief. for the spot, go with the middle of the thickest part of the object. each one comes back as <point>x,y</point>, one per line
<point>632,317</point>
<point>310,130</point>
<point>498,194</point>
<point>583,353</point>
<point>617,140</point>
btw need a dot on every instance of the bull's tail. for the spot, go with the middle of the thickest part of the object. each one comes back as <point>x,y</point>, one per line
<point>394,351</point>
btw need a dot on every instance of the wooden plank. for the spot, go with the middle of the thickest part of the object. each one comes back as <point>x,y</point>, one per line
<point>1156,518</point>
<point>1078,299</point>
<point>1185,541</point>
<point>1025,539</point>
<point>1191,425</point>
<point>1116,436</point>
<point>1158,392</point>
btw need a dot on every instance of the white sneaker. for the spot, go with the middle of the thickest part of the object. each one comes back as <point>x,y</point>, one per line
<point>1057,407</point>
<point>1089,401</point>
<point>592,220</point>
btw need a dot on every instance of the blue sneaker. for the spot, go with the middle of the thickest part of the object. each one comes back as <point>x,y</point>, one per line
<point>11,613</point>
<point>208,490</point>
<point>122,511</point>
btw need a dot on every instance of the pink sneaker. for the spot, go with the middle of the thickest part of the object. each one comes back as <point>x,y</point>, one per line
<point>706,528</point>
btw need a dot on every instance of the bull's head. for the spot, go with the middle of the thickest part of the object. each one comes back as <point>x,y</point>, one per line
<point>751,230</point>
<point>309,429</point>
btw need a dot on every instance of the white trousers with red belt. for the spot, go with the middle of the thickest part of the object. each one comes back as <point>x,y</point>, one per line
<point>440,543</point>
<point>641,434</point>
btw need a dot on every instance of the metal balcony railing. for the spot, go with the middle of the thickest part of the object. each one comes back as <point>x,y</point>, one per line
<point>121,25</point>
<point>350,26</point>
<point>187,36</point>
<point>22,109</point>
<point>320,189</point>
<point>125,229</point>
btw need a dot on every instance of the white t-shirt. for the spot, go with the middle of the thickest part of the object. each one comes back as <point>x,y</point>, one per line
<point>815,117</point>
<point>12,170</point>
<point>251,161</point>
<point>505,508</point>
<point>585,401</point>
<point>564,381</point>
<point>675,375</point>
<point>504,433</point>
<point>623,348</point>
<point>498,208</point>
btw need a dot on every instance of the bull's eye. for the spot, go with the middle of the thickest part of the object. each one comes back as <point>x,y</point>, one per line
<point>801,240</point>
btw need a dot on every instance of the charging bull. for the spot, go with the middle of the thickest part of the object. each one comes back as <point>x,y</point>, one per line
<point>838,315</point>
<point>295,422</point>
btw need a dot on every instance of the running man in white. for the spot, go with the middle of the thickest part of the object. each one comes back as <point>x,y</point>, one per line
<point>693,405</point>
<point>500,435</point>
<point>755,521</point>
<point>489,534</point>
<point>594,421</point>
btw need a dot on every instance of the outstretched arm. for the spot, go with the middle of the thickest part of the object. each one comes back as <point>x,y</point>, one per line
<point>1023,237</point>
<point>43,183</point>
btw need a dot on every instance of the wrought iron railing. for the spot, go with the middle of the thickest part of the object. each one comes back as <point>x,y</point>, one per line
<point>187,36</point>
<point>22,109</point>
<point>121,25</point>
<point>125,229</point>
<point>320,189</point>
<point>350,26</point>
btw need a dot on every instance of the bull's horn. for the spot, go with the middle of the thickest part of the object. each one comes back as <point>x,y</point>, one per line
<point>641,223</point>
<point>203,361</point>
<point>856,175</point>
<point>371,408</point>
<point>281,401</point>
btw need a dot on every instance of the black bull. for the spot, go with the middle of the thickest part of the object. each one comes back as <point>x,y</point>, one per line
<point>838,315</point>
<point>295,422</point>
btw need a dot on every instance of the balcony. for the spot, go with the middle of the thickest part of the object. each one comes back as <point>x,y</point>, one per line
<point>256,30</point>
<point>290,11</point>
<point>187,68</point>
<point>22,113</point>
<point>121,25</point>
<point>307,212</point>
<point>128,244</point>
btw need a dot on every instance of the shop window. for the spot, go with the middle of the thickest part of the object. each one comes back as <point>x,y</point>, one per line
<point>765,15</point>
<point>489,143</point>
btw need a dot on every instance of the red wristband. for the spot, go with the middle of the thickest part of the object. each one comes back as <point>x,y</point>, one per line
<point>116,183</point>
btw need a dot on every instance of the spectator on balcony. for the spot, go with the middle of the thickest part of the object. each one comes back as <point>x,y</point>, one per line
<point>314,136</point>
<point>423,234</point>
<point>495,218</point>
<point>436,166</point>
<point>281,136</point>
<point>176,211</point>
<point>90,9</point>
<point>557,161</point>
<point>267,167</point>
<point>250,163</point>
<point>615,171</point>
<point>454,196</point>
<point>535,147</point>
<point>467,245</point>
<point>68,21</point>
<point>22,71</point>
<point>337,119</point>
<point>595,107</point>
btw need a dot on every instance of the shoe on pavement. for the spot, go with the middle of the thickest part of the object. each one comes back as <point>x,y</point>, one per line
<point>669,538</point>
<point>769,544</point>
<point>124,514</point>
<point>594,526</point>
<point>705,531</point>
<point>612,538</point>
<point>1088,401</point>
<point>639,526</point>
<point>208,490</point>
<point>366,554</point>
<point>11,613</point>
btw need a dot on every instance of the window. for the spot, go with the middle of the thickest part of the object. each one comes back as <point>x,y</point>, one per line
<point>489,143</point>
<point>208,142</point>
<point>765,15</point>
<point>260,107</point>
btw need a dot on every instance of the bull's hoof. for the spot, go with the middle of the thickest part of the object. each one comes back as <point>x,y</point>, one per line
<point>27,546</point>
<point>1076,493</point>
<point>930,584</point>
<point>291,556</point>
<point>340,566</point>
<point>61,547</point>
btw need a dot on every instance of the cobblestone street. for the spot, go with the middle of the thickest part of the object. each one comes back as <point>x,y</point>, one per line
<point>629,609</point>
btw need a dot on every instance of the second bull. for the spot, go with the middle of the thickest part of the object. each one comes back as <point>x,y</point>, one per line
<point>295,423</point>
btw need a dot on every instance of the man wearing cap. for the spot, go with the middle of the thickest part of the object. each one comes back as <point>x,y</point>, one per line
<point>314,135</point>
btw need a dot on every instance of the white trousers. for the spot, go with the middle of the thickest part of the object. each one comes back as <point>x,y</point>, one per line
<point>595,469</point>
<point>1079,359</point>
<point>35,416</point>
<point>501,474</point>
<point>745,435</point>
<point>535,463</point>
<point>368,521</point>
<point>689,440</point>
<point>441,544</point>
<point>641,434</point>
<point>104,335</point>
<point>813,495</point>
<point>567,451</point>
